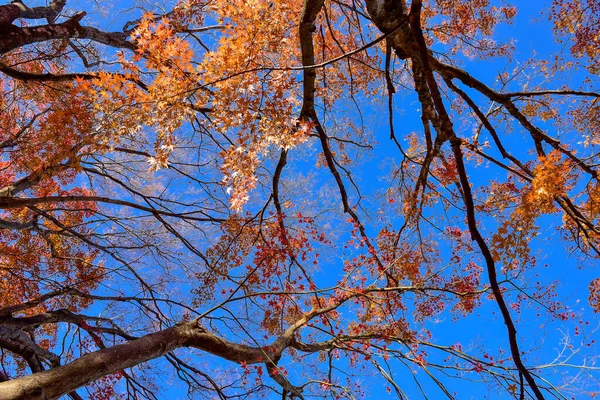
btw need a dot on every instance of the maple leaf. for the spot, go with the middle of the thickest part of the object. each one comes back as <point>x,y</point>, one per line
<point>229,178</point>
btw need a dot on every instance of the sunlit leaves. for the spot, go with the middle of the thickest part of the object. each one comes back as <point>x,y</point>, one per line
<point>581,21</point>
<point>512,240</point>
<point>551,180</point>
<point>354,247</point>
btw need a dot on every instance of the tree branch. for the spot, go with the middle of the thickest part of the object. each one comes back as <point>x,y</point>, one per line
<point>13,37</point>
<point>61,380</point>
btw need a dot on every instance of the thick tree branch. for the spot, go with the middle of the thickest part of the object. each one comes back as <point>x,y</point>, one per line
<point>19,226</point>
<point>449,72</point>
<point>446,125</point>
<point>17,341</point>
<point>10,12</point>
<point>311,10</point>
<point>64,315</point>
<point>27,76</point>
<point>61,380</point>
<point>8,311</point>
<point>15,37</point>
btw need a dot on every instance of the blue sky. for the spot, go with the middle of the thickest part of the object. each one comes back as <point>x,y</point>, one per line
<point>482,329</point>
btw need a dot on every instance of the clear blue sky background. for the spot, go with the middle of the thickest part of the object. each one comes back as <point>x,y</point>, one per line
<point>533,36</point>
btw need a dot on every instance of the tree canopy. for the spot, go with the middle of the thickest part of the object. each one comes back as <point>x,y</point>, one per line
<point>299,199</point>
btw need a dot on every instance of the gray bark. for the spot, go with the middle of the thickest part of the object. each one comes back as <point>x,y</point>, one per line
<point>13,37</point>
<point>61,380</point>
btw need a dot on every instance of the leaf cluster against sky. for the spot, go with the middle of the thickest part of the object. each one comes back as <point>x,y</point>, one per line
<point>299,199</point>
